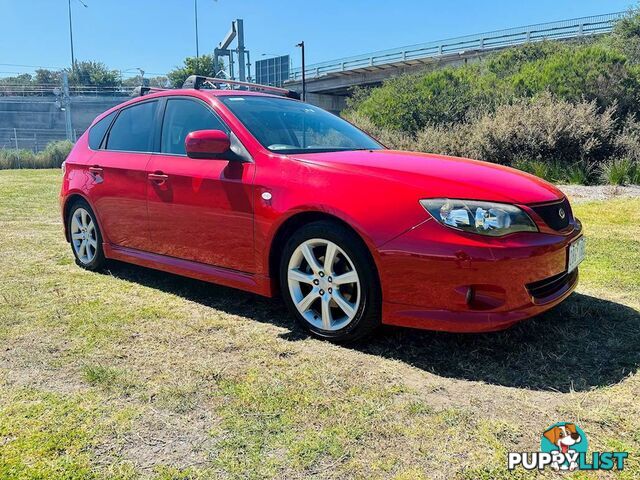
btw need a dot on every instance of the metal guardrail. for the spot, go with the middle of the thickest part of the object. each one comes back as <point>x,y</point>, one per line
<point>564,29</point>
<point>31,90</point>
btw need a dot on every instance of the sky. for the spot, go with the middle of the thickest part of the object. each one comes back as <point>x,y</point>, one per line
<point>156,35</point>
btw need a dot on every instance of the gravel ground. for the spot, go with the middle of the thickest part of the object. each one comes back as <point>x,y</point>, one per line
<point>586,193</point>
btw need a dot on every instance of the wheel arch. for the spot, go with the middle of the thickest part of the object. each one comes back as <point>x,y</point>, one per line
<point>299,220</point>
<point>69,201</point>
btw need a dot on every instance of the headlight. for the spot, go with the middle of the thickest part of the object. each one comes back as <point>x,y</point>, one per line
<point>485,218</point>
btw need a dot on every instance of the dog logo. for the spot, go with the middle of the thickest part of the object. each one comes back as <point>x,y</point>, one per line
<point>561,213</point>
<point>563,448</point>
<point>568,439</point>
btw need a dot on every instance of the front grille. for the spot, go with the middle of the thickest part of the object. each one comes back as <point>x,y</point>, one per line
<point>550,286</point>
<point>551,214</point>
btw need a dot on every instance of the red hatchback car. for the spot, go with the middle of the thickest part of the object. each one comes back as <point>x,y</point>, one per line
<point>268,194</point>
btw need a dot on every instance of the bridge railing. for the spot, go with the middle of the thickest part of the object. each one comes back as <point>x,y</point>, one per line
<point>564,29</point>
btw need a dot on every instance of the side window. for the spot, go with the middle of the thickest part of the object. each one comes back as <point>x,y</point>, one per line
<point>133,129</point>
<point>96,134</point>
<point>183,116</point>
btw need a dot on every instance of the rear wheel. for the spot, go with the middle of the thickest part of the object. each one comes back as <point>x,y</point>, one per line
<point>329,282</point>
<point>85,237</point>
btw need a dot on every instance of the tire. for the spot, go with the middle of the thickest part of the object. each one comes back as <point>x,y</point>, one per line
<point>85,237</point>
<point>350,309</point>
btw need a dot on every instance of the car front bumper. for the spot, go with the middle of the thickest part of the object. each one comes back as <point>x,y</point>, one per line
<point>437,278</point>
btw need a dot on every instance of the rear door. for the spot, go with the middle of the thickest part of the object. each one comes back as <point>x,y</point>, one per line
<point>199,210</point>
<point>119,171</point>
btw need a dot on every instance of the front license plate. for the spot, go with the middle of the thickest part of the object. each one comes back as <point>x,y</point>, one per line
<point>576,254</point>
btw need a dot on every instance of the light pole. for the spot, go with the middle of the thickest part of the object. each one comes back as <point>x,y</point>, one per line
<point>73,58</point>
<point>195,15</point>
<point>304,86</point>
<point>195,9</point>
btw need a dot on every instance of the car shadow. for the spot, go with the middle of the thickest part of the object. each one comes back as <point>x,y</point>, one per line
<point>583,343</point>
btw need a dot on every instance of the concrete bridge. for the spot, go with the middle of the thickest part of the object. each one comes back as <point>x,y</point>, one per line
<point>328,84</point>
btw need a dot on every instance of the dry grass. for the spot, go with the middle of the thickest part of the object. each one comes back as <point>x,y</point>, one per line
<point>139,374</point>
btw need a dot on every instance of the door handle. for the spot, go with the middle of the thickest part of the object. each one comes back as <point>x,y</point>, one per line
<point>95,169</point>
<point>158,178</point>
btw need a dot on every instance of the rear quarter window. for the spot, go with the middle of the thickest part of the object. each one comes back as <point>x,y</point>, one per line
<point>133,130</point>
<point>96,133</point>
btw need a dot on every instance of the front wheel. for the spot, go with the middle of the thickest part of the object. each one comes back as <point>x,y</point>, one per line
<point>329,282</point>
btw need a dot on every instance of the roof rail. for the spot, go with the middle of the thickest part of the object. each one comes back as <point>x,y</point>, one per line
<point>142,90</point>
<point>199,81</point>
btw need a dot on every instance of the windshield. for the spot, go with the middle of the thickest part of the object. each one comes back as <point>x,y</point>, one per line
<point>287,126</point>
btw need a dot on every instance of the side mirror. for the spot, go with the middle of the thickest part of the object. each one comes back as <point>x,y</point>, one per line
<point>207,144</point>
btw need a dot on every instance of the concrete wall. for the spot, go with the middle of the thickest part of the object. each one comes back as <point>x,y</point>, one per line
<point>333,103</point>
<point>37,120</point>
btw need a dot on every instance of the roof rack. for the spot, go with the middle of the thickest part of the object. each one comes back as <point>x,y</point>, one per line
<point>141,91</point>
<point>199,81</point>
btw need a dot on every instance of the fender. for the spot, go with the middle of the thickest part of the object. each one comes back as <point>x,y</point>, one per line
<point>79,193</point>
<point>264,260</point>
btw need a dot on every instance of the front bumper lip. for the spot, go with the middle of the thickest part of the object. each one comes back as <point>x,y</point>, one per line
<point>426,272</point>
<point>413,316</point>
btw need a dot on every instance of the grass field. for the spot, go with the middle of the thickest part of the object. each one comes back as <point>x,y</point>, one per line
<point>134,373</point>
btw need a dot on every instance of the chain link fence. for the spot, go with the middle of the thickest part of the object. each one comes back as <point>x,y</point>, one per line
<point>33,139</point>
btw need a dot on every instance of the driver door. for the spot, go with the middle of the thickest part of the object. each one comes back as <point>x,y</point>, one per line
<point>199,210</point>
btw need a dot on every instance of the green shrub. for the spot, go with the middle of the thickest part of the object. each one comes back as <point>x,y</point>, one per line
<point>551,138</point>
<point>451,139</point>
<point>55,153</point>
<point>554,171</point>
<point>628,139</point>
<point>578,174</point>
<point>626,36</point>
<point>51,157</point>
<point>620,171</point>
<point>411,102</point>
<point>510,61</point>
<point>576,136</point>
<point>574,72</point>
<point>10,158</point>
<point>634,177</point>
<point>538,168</point>
<point>389,138</point>
<point>545,128</point>
<point>591,72</point>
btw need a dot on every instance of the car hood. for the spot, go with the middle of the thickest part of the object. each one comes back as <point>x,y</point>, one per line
<point>441,176</point>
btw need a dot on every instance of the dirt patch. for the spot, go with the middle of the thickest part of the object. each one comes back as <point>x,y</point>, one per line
<point>163,438</point>
<point>587,193</point>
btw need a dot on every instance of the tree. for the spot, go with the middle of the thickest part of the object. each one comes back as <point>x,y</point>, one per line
<point>22,79</point>
<point>192,66</point>
<point>47,77</point>
<point>93,73</point>
<point>159,81</point>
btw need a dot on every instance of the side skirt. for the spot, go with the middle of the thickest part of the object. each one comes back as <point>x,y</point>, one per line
<point>259,284</point>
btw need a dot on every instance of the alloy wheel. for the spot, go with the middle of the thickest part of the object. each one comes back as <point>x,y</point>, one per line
<point>84,236</point>
<point>324,284</point>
